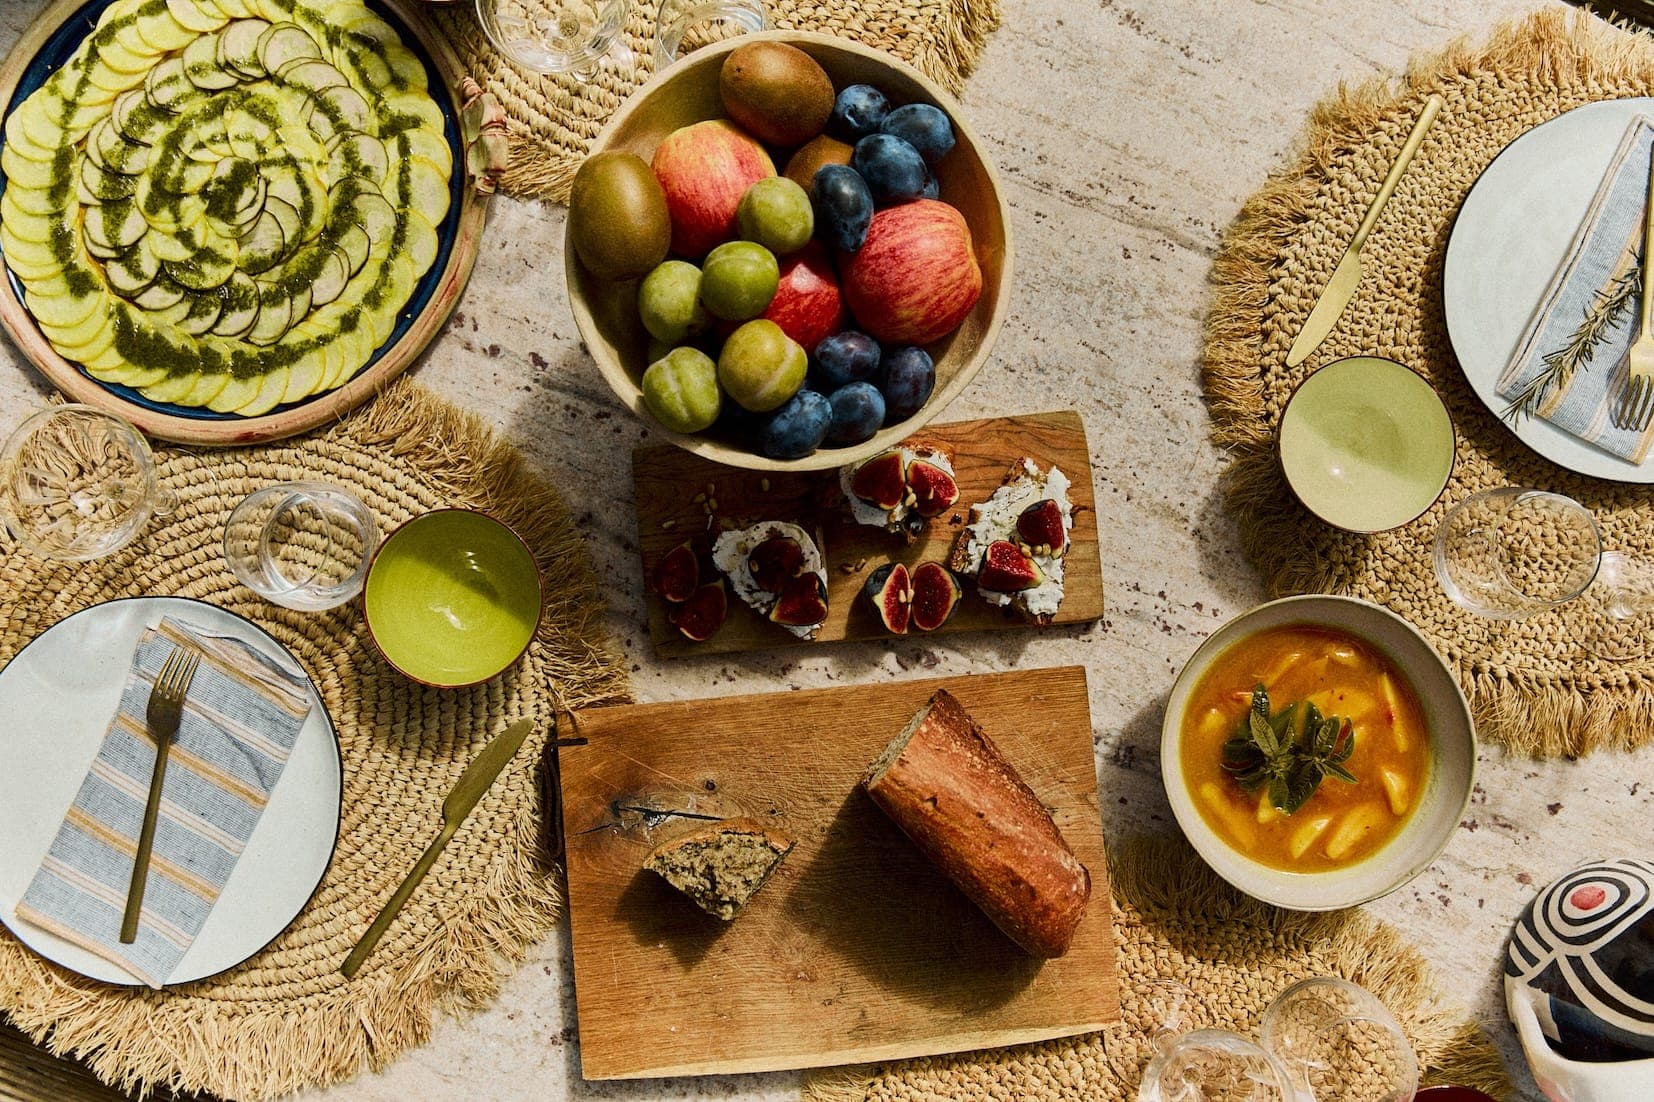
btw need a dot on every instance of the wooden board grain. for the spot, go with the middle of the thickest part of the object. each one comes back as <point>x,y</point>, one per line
<point>857,949</point>
<point>667,482</point>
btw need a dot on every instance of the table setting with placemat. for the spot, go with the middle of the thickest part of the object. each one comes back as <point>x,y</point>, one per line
<point>556,542</point>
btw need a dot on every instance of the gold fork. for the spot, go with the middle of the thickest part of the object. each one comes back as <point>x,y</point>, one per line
<point>1636,401</point>
<point>161,714</point>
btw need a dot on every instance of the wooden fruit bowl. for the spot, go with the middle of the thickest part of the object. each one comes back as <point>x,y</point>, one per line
<point>687,92</point>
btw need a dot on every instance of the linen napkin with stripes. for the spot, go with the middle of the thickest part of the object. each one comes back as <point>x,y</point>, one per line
<point>1606,249</point>
<point>241,717</point>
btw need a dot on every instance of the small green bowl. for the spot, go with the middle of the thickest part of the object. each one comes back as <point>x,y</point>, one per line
<point>1366,444</point>
<point>452,598</point>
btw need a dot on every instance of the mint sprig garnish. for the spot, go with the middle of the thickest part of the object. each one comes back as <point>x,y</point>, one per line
<point>1291,758</point>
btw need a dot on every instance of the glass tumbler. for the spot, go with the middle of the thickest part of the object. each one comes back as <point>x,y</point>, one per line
<point>1338,1043</point>
<point>301,545</point>
<point>77,483</point>
<point>1214,1065</point>
<point>559,36</point>
<point>1511,553</point>
<point>684,26</point>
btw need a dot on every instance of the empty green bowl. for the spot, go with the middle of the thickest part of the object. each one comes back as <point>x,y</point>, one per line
<point>1366,444</point>
<point>452,598</point>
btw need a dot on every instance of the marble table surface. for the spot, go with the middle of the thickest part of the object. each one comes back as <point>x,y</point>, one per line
<point>1127,133</point>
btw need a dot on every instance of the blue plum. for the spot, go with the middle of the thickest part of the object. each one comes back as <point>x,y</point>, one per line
<point>893,169</point>
<point>922,126</point>
<point>857,411</point>
<point>846,357</point>
<point>933,186</point>
<point>909,377</point>
<point>797,428</point>
<point>843,206</point>
<point>858,111</point>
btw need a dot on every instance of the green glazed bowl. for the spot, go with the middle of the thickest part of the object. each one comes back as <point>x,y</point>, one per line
<point>1366,444</point>
<point>452,598</point>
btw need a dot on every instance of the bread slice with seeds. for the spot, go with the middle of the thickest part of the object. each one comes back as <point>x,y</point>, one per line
<point>721,865</point>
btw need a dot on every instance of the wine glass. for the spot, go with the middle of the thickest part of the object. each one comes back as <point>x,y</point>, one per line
<point>559,36</point>
<point>683,26</point>
<point>77,483</point>
<point>301,545</point>
<point>1621,602</point>
<point>1338,1043</point>
<point>1204,1065</point>
<point>1511,553</point>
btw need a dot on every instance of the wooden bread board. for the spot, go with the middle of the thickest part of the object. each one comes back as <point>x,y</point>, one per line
<point>668,480</point>
<point>857,949</point>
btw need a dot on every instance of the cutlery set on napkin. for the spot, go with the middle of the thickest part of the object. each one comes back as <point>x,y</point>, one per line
<point>202,734</point>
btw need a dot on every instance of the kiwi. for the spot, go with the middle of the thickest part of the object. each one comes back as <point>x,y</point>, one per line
<point>776,92</point>
<point>818,151</point>
<point>617,216</point>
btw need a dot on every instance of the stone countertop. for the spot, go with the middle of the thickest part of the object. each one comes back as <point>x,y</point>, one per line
<point>1127,134</point>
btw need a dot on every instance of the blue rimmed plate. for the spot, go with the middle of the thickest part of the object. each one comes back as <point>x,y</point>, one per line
<point>47,44</point>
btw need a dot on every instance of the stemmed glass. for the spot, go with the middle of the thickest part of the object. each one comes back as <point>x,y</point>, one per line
<point>1339,1043</point>
<point>560,36</point>
<point>77,483</point>
<point>1511,553</point>
<point>683,26</point>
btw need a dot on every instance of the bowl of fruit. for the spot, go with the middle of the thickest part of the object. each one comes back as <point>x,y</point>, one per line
<point>788,251</point>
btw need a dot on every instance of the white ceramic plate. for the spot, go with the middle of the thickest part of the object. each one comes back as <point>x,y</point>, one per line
<point>1511,234</point>
<point>56,699</point>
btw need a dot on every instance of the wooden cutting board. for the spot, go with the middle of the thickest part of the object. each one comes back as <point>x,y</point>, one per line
<point>678,494</point>
<point>857,949</point>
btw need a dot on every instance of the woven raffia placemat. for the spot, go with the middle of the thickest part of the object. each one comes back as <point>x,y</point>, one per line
<point>552,119</point>
<point>1531,684</point>
<point>287,1018</point>
<point>1175,920</point>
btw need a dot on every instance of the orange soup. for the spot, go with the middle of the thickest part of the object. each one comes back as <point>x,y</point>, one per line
<point>1343,676</point>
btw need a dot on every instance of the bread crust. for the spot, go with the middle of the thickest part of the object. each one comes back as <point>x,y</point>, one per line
<point>950,790</point>
<point>706,832</point>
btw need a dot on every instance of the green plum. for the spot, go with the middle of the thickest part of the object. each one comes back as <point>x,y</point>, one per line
<point>669,301</point>
<point>681,390</point>
<point>776,213</point>
<point>760,367</point>
<point>738,279</point>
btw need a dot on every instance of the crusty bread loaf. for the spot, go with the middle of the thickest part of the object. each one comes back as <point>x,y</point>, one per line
<point>720,865</point>
<point>952,792</point>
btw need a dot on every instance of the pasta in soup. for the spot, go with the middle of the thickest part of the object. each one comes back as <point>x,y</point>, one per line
<point>1345,689</point>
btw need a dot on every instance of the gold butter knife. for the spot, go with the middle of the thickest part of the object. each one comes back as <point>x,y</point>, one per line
<point>476,779</point>
<point>1341,287</point>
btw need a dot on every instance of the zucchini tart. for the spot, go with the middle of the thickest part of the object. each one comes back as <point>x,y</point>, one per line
<point>226,203</point>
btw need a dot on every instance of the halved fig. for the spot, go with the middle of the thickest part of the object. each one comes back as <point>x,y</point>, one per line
<point>1007,569</point>
<point>700,617</point>
<point>881,481</point>
<point>802,603</point>
<point>890,589</point>
<point>936,594</point>
<point>934,490</point>
<point>678,574</point>
<point>1040,527</point>
<point>775,562</point>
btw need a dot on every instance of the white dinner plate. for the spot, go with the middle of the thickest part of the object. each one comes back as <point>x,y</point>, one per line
<point>56,699</point>
<point>1511,235</point>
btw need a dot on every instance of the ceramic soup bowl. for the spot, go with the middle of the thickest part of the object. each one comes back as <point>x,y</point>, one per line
<point>453,598</point>
<point>1436,801</point>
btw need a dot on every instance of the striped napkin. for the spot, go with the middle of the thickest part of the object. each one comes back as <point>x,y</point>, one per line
<point>1607,246</point>
<point>241,717</point>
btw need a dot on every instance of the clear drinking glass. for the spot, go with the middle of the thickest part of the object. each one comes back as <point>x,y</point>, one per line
<point>77,483</point>
<point>301,545</point>
<point>1511,553</point>
<point>1621,602</point>
<point>1338,1043</point>
<point>684,26</point>
<point>559,36</point>
<point>1213,1065</point>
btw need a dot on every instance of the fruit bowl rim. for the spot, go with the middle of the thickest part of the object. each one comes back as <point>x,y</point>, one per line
<point>628,389</point>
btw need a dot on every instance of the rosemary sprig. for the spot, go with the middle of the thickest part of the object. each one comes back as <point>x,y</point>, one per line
<point>1271,749</point>
<point>1601,315</point>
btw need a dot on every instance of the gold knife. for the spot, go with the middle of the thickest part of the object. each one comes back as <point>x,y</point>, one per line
<point>1341,287</point>
<point>476,779</point>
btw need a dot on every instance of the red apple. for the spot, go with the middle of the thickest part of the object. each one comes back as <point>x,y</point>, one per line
<point>704,170</point>
<point>807,304</point>
<point>916,276</point>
